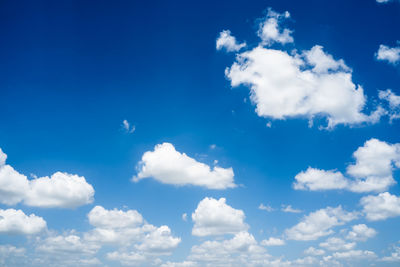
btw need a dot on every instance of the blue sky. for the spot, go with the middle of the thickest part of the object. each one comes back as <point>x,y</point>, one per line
<point>199,133</point>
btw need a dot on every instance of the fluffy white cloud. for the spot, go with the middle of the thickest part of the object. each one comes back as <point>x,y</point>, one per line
<point>389,54</point>
<point>381,207</point>
<point>102,218</point>
<point>227,41</point>
<point>394,103</point>
<point>284,86</point>
<point>272,241</point>
<point>130,232</point>
<point>215,217</point>
<point>169,166</point>
<point>66,244</point>
<point>315,180</point>
<point>270,31</point>
<point>159,241</point>
<point>372,172</point>
<point>335,244</point>
<point>314,251</point>
<point>17,222</point>
<point>241,250</point>
<point>306,84</point>
<point>60,190</point>
<point>319,223</point>
<point>361,232</point>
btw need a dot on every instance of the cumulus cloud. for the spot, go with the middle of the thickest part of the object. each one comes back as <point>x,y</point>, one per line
<point>228,42</point>
<point>17,222</point>
<point>270,30</point>
<point>215,217</point>
<point>169,166</point>
<point>314,251</point>
<point>393,101</point>
<point>301,84</point>
<point>361,232</point>
<point>284,86</point>
<point>319,223</point>
<point>372,171</point>
<point>389,54</point>
<point>272,241</point>
<point>316,180</point>
<point>335,244</point>
<point>60,190</point>
<point>241,250</point>
<point>381,207</point>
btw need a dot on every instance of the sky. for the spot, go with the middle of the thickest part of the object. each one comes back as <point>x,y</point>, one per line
<point>200,133</point>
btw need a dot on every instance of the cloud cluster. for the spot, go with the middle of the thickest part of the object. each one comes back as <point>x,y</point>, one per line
<point>228,42</point>
<point>307,84</point>
<point>129,239</point>
<point>169,166</point>
<point>389,54</point>
<point>372,171</point>
<point>59,190</point>
<point>319,223</point>
<point>270,30</point>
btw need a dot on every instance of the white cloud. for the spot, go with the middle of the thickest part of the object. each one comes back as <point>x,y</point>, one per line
<point>102,218</point>
<point>60,190</point>
<point>267,208</point>
<point>314,251</point>
<point>389,54</point>
<point>184,217</point>
<point>284,86</point>
<point>215,217</point>
<point>17,222</point>
<point>270,31</point>
<point>66,244</point>
<point>394,103</point>
<point>354,254</point>
<point>241,250</point>
<point>319,223</point>
<point>381,207</point>
<point>316,180</point>
<point>272,241</point>
<point>361,232</point>
<point>394,256</point>
<point>169,166</point>
<point>12,256</point>
<point>301,84</point>
<point>129,229</point>
<point>290,209</point>
<point>128,127</point>
<point>372,172</point>
<point>227,41</point>
<point>335,244</point>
